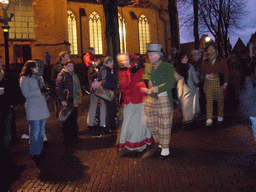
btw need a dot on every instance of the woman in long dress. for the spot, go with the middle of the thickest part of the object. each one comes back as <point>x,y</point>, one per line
<point>187,87</point>
<point>135,135</point>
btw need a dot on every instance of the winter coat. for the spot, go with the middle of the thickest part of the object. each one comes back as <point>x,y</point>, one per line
<point>108,78</point>
<point>64,86</point>
<point>130,85</point>
<point>36,106</point>
<point>10,96</point>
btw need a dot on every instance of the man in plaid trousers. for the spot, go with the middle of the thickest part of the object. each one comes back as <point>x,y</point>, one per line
<point>159,103</point>
<point>215,71</point>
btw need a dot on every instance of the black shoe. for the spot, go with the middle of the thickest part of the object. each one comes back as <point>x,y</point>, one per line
<point>37,158</point>
<point>164,157</point>
<point>46,144</point>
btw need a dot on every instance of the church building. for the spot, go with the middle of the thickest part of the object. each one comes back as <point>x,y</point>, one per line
<point>40,26</point>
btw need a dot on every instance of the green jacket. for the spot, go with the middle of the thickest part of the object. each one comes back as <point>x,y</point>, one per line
<point>163,78</point>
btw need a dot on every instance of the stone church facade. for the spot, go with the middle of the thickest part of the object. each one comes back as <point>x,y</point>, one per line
<point>41,26</point>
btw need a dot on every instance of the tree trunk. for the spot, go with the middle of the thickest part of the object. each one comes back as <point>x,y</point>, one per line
<point>196,33</point>
<point>219,40</point>
<point>112,34</point>
<point>173,14</point>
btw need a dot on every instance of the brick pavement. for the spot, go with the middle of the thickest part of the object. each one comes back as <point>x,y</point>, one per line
<point>202,159</point>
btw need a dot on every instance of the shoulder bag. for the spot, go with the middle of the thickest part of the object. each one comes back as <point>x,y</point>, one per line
<point>105,94</point>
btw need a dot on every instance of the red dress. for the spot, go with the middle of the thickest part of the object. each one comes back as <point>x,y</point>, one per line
<point>129,86</point>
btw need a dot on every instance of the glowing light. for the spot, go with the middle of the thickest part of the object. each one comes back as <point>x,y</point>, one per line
<point>207,39</point>
<point>4,1</point>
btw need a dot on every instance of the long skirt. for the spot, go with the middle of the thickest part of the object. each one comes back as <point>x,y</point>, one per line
<point>135,134</point>
<point>189,102</point>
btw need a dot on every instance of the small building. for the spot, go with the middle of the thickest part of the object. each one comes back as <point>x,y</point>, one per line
<point>239,47</point>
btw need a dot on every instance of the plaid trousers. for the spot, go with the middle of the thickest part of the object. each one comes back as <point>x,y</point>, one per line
<point>213,91</point>
<point>159,119</point>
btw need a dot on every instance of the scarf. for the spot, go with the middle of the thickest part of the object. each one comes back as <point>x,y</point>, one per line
<point>77,93</point>
<point>212,58</point>
<point>182,69</point>
<point>1,74</point>
<point>40,81</point>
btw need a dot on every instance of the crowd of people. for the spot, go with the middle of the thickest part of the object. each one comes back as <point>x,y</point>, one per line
<point>146,92</point>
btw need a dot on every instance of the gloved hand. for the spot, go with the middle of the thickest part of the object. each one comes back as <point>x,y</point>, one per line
<point>45,90</point>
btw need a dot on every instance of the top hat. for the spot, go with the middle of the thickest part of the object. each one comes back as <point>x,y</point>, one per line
<point>155,48</point>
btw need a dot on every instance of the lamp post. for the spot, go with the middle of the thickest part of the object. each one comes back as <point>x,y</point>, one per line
<point>5,19</point>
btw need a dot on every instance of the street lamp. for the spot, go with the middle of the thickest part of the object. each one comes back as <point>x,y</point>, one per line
<point>5,19</point>
<point>207,39</point>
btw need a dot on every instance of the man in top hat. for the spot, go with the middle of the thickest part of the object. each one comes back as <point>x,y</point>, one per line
<point>216,74</point>
<point>159,104</point>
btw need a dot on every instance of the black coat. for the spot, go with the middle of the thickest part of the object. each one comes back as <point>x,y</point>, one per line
<point>10,96</point>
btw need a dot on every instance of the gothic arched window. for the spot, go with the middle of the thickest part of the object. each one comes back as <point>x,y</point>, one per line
<point>122,34</point>
<point>95,32</point>
<point>143,34</point>
<point>72,33</point>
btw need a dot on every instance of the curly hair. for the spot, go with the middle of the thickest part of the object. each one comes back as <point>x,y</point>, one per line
<point>27,68</point>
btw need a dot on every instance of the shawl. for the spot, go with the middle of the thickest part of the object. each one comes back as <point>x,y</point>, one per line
<point>77,93</point>
<point>40,81</point>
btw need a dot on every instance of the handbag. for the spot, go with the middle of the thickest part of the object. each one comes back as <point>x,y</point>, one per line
<point>104,93</point>
<point>65,111</point>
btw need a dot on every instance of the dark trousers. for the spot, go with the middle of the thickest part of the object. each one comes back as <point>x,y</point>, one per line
<point>70,127</point>
<point>8,128</point>
<point>111,114</point>
<point>202,99</point>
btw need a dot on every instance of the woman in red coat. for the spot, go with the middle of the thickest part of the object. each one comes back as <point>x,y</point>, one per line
<point>135,135</point>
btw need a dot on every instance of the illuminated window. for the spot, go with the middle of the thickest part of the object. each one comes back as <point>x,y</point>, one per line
<point>22,23</point>
<point>72,33</point>
<point>143,34</point>
<point>122,34</point>
<point>95,32</point>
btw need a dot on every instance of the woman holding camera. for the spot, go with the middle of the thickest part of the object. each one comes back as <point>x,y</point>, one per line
<point>33,88</point>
